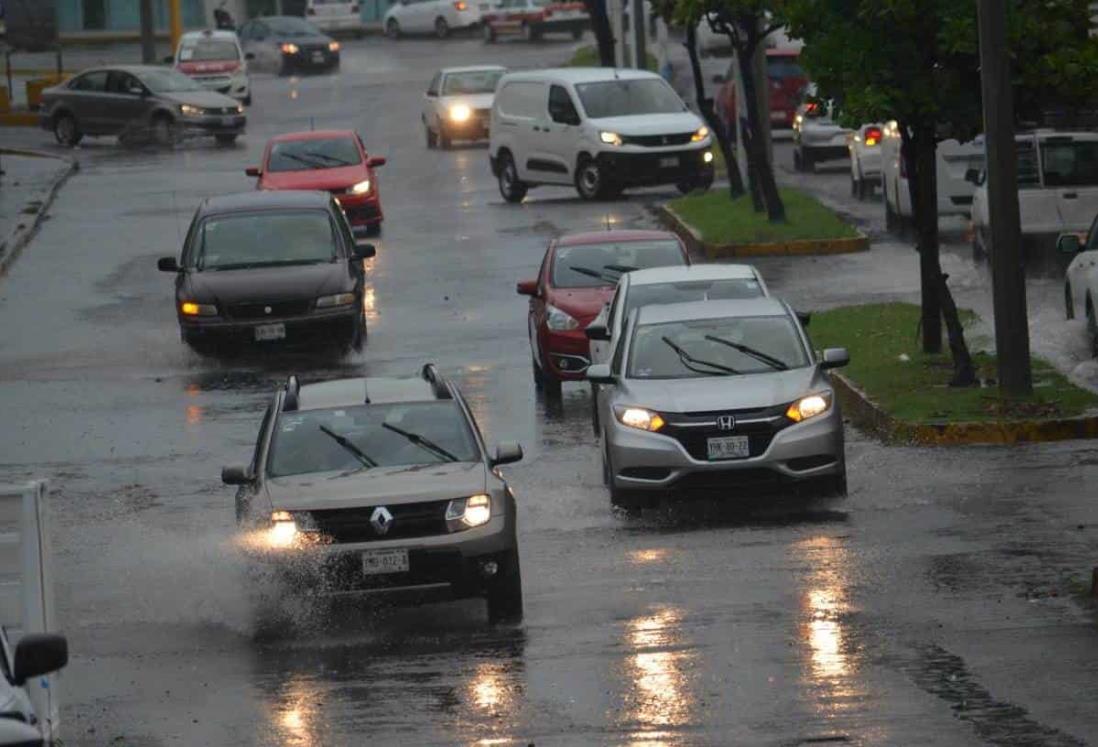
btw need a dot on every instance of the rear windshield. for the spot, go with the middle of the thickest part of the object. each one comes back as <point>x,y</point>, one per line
<point>479,81</point>
<point>1070,163</point>
<point>780,68</point>
<point>263,239</point>
<point>619,98</point>
<point>209,50</point>
<point>299,155</point>
<point>595,265</point>
<point>693,290</point>
<point>409,433</point>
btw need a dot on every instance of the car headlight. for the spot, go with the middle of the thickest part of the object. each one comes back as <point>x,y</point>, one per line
<point>289,48</point>
<point>473,511</point>
<point>283,531</point>
<point>333,46</point>
<point>460,113</point>
<point>559,320</point>
<point>700,134</point>
<point>190,111</point>
<point>809,407</point>
<point>610,138</point>
<point>190,308</point>
<point>363,187</point>
<point>336,299</point>
<point>639,418</point>
<point>239,108</point>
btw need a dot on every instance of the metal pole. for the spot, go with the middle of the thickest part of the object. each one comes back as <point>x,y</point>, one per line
<point>1008,277</point>
<point>148,33</point>
<point>640,50</point>
<point>175,16</point>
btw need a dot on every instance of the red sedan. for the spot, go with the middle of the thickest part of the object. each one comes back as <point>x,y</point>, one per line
<point>577,278</point>
<point>333,161</point>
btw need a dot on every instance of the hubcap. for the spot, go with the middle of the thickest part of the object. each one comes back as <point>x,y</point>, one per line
<point>590,178</point>
<point>65,128</point>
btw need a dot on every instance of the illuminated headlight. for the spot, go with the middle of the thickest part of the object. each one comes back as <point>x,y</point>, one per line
<point>700,134</point>
<point>809,407</point>
<point>336,299</point>
<point>283,531</point>
<point>558,320</point>
<point>289,48</point>
<point>707,157</point>
<point>610,138</point>
<point>473,511</point>
<point>363,187</point>
<point>239,108</point>
<point>190,308</point>
<point>190,111</point>
<point>460,113</point>
<point>333,46</point>
<point>639,418</point>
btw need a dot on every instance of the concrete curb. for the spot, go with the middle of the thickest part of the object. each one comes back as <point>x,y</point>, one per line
<point>869,416</point>
<point>687,233</point>
<point>13,244</point>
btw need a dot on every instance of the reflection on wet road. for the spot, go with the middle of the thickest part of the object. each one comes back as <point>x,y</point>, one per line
<point>658,667</point>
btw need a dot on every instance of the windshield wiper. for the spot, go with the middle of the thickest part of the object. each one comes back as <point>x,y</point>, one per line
<point>691,362</point>
<point>423,442</point>
<point>349,445</point>
<point>592,273</point>
<point>326,157</point>
<point>775,363</point>
<point>620,268</point>
<point>306,161</point>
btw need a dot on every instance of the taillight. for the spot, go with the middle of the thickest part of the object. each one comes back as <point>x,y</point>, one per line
<point>460,5</point>
<point>811,107</point>
<point>872,135</point>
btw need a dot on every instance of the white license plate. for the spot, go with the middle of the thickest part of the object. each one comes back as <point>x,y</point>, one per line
<point>270,332</point>
<point>729,447</point>
<point>669,163</point>
<point>377,562</point>
<point>318,57</point>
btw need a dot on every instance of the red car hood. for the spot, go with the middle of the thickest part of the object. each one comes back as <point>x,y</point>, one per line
<point>323,179</point>
<point>582,303</point>
<point>210,66</point>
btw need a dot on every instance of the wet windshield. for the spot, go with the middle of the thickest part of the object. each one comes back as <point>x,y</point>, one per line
<point>596,265</point>
<point>284,26</point>
<point>353,438</point>
<point>299,155</point>
<point>205,51</point>
<point>479,81</point>
<point>227,242</point>
<point>715,347</point>
<point>693,290</point>
<point>620,98</point>
<point>167,81</point>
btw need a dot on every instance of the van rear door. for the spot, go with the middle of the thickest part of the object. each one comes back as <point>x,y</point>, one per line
<point>1069,165</point>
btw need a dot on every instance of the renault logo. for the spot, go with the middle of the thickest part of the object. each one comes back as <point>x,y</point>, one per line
<point>267,309</point>
<point>381,520</point>
<point>726,422</point>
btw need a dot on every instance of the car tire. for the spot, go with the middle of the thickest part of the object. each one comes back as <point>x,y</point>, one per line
<point>392,28</point>
<point>892,220</point>
<point>550,384</point>
<point>864,190</point>
<point>432,138</point>
<point>66,131</point>
<point>504,595</point>
<point>444,140</point>
<point>226,139</point>
<point>510,188</point>
<point>596,426</point>
<point>808,161</point>
<point>798,162</point>
<point>1092,328</point>
<point>591,183</point>
<point>629,501</point>
<point>1069,307</point>
<point>358,335</point>
<point>442,29</point>
<point>853,185</point>
<point>164,131</point>
<point>488,33</point>
<point>833,486</point>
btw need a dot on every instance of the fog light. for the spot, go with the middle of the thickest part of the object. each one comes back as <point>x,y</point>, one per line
<point>489,568</point>
<point>708,156</point>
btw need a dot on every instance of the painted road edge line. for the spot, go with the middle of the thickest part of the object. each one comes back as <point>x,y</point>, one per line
<point>14,243</point>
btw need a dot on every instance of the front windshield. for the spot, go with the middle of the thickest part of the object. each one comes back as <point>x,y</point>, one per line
<point>597,265</point>
<point>621,98</point>
<point>478,81</point>
<point>715,347</point>
<point>284,26</point>
<point>167,80</point>
<point>205,51</point>
<point>691,290</point>
<point>366,437</point>
<point>299,155</point>
<point>227,242</point>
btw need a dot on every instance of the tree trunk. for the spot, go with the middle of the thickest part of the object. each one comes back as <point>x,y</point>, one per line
<point>716,126</point>
<point>600,25</point>
<point>754,143</point>
<point>920,151</point>
<point>963,372</point>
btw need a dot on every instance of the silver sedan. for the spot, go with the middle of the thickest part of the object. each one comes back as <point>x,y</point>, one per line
<point>721,396</point>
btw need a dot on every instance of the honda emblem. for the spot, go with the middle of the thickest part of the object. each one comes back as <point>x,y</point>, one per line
<point>726,422</point>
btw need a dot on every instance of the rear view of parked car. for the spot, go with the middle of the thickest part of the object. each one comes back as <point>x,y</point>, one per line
<point>533,19</point>
<point>438,17</point>
<point>865,159</point>
<point>335,16</point>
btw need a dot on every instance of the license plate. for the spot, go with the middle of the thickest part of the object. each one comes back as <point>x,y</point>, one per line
<point>270,332</point>
<point>729,447</point>
<point>669,163</point>
<point>318,57</point>
<point>377,562</point>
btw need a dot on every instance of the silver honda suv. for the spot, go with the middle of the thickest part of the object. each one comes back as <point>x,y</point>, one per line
<point>379,487</point>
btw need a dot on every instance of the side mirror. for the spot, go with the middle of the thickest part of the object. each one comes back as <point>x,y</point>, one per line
<point>835,358</point>
<point>253,171</point>
<point>527,287</point>
<point>597,332</point>
<point>1069,243</point>
<point>507,452</point>
<point>37,654</point>
<point>167,264</point>
<point>249,55</point>
<point>804,317</point>
<point>364,250</point>
<point>236,475</point>
<point>600,374</point>
<point>376,161</point>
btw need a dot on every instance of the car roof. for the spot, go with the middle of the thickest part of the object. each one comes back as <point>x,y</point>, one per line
<point>676,273</point>
<point>135,69</point>
<point>219,34</point>
<point>351,392</point>
<point>609,237</point>
<point>265,200</point>
<point>685,312</point>
<point>313,135</point>
<point>470,69</point>
<point>580,75</point>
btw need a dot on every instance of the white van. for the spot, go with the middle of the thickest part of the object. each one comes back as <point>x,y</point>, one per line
<point>599,129</point>
<point>334,15</point>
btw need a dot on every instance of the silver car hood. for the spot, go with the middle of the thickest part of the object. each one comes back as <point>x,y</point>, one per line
<point>388,485</point>
<point>711,393</point>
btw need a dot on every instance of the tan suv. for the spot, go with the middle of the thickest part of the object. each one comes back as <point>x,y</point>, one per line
<point>378,487</point>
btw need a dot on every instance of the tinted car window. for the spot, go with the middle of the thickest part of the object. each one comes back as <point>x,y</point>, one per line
<point>120,82</point>
<point>298,155</point>
<point>595,265</point>
<point>167,81</point>
<point>209,50</point>
<point>619,98</point>
<point>1069,163</point>
<point>301,445</point>
<point>266,238</point>
<point>96,81</point>
<point>693,290</point>
<point>481,81</point>
<point>284,26</point>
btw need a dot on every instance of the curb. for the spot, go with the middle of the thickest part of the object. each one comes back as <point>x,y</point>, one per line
<point>803,247</point>
<point>13,244</point>
<point>869,416</point>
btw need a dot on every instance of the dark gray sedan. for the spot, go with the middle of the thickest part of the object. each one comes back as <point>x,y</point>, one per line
<point>287,44</point>
<point>138,100</point>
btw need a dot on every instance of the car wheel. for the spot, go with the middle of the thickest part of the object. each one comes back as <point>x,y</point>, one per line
<point>392,29</point>
<point>892,221</point>
<point>225,139</point>
<point>833,486</point>
<point>596,427</point>
<point>686,186</point>
<point>1069,307</point>
<point>164,130</point>
<point>358,335</point>
<point>808,160</point>
<point>590,182</point>
<point>550,385</point>
<point>432,138</point>
<point>66,131</point>
<point>504,595</point>
<point>798,162</point>
<point>1092,328</point>
<point>442,29</point>
<point>630,501</point>
<point>489,33</point>
<point>864,190</point>
<point>444,140</point>
<point>510,187</point>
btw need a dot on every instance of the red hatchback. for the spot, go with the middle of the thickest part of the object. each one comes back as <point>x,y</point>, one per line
<point>333,161</point>
<point>577,278</point>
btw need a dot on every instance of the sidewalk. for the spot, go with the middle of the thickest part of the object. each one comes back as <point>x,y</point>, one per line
<point>27,187</point>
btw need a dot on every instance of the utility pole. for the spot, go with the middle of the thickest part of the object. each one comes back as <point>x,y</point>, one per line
<point>148,34</point>
<point>175,16</point>
<point>1008,279</point>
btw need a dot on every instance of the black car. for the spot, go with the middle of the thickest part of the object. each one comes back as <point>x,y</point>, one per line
<point>265,267</point>
<point>286,44</point>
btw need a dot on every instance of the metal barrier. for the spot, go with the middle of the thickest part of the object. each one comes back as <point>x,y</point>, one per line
<point>26,584</point>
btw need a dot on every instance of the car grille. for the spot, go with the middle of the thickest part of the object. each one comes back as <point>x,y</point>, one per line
<point>693,430</point>
<point>657,141</point>
<point>278,309</point>
<point>222,110</point>
<point>409,520</point>
<point>343,572</point>
<point>361,213</point>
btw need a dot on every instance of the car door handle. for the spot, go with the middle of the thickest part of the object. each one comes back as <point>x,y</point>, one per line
<point>1070,195</point>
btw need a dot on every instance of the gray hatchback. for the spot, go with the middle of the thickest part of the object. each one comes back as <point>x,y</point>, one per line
<point>136,100</point>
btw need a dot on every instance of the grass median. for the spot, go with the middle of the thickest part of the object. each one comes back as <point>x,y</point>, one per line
<point>589,57</point>
<point>887,364</point>
<point>722,221</point>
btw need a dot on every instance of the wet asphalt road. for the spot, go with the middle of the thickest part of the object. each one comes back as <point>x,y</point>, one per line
<point>941,603</point>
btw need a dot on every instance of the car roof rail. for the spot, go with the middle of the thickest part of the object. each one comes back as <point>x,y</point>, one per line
<point>438,384</point>
<point>293,388</point>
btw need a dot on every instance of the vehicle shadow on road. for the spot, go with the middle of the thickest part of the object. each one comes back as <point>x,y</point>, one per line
<point>705,512</point>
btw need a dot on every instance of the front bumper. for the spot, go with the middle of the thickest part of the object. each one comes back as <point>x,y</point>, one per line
<point>362,210</point>
<point>311,59</point>
<point>316,327</point>
<point>476,127</point>
<point>641,169</point>
<point>215,124</point>
<point>565,354</point>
